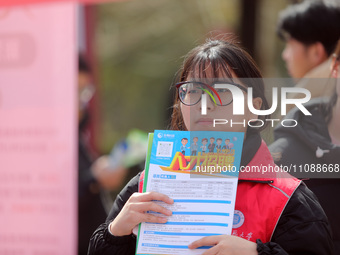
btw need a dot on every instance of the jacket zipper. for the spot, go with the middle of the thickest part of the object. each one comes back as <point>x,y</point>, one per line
<point>265,182</point>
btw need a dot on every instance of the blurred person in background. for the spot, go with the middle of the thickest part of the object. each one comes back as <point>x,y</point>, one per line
<point>316,140</point>
<point>92,175</point>
<point>90,207</point>
<point>310,30</point>
<point>100,177</point>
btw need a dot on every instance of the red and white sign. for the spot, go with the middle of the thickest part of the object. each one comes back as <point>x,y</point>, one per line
<point>25,2</point>
<point>38,129</point>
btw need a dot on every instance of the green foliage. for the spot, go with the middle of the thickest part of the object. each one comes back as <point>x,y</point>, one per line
<point>140,45</point>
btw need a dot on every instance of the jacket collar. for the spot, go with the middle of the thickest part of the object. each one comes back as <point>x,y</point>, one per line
<point>255,153</point>
<point>250,146</point>
<point>254,169</point>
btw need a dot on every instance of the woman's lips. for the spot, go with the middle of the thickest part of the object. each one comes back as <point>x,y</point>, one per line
<point>205,121</point>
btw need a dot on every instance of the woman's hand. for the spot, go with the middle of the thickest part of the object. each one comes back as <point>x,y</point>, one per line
<point>226,245</point>
<point>109,178</point>
<point>135,212</point>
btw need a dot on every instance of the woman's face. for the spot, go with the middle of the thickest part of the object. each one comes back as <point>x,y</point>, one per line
<point>338,81</point>
<point>194,121</point>
<point>336,74</point>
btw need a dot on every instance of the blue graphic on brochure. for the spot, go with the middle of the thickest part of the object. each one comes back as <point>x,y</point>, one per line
<point>200,152</point>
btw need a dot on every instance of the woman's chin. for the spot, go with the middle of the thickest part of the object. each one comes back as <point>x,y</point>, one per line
<point>205,127</point>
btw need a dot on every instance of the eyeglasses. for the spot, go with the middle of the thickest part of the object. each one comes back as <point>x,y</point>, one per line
<point>190,92</point>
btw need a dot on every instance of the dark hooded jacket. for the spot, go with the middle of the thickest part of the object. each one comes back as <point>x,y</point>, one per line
<point>306,148</point>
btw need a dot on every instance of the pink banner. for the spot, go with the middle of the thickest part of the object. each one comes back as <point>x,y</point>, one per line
<point>38,123</point>
<point>25,2</point>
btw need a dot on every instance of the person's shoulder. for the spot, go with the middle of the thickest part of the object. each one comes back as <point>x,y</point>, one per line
<point>280,144</point>
<point>132,186</point>
<point>306,204</point>
<point>283,148</point>
<point>304,221</point>
<point>305,207</point>
<point>286,142</point>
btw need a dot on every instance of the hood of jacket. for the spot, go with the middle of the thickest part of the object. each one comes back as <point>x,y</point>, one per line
<point>311,130</point>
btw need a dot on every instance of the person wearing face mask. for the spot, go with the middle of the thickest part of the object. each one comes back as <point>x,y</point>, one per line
<point>315,142</point>
<point>280,214</point>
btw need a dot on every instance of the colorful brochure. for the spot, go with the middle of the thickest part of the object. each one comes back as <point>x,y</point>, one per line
<point>199,170</point>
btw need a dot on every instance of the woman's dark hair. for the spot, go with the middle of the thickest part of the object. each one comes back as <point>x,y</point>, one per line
<point>334,98</point>
<point>310,22</point>
<point>224,57</point>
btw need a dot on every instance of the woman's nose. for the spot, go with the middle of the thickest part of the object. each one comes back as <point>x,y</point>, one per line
<point>207,104</point>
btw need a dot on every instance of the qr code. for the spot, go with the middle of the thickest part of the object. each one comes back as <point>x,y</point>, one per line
<point>164,149</point>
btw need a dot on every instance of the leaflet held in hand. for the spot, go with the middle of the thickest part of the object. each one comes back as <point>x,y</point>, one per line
<point>199,171</point>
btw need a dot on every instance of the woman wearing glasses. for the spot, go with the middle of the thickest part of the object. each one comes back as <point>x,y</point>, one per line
<point>279,215</point>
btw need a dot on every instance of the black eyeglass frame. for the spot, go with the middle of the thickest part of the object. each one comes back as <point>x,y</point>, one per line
<point>179,84</point>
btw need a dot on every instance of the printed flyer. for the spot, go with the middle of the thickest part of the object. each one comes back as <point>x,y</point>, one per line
<point>199,170</point>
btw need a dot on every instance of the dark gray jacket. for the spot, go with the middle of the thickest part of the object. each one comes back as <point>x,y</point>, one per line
<point>297,148</point>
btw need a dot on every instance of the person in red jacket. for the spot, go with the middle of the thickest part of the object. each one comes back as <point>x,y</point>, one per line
<point>274,212</point>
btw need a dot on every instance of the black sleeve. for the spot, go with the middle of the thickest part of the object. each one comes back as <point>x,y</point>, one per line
<point>102,242</point>
<point>302,229</point>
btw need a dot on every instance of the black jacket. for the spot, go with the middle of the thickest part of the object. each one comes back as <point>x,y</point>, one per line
<point>296,147</point>
<point>302,228</point>
<point>91,211</point>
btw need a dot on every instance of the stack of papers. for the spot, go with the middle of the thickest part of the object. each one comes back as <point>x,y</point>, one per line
<point>199,171</point>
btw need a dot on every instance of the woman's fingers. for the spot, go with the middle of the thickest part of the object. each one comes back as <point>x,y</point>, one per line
<point>206,241</point>
<point>135,211</point>
<point>152,206</point>
<point>153,218</point>
<point>212,251</point>
<point>149,196</point>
